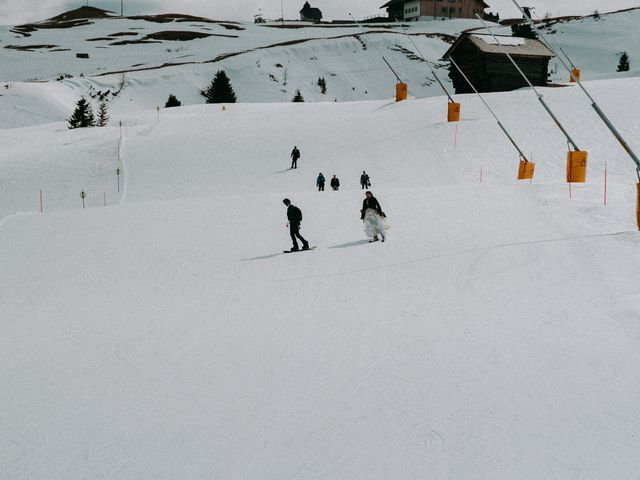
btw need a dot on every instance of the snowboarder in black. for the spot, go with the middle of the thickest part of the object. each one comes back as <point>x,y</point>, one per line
<point>335,183</point>
<point>373,217</point>
<point>294,215</point>
<point>320,182</point>
<point>364,180</point>
<point>295,155</point>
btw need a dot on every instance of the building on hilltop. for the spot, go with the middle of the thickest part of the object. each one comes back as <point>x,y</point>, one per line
<point>310,14</point>
<point>414,10</point>
<point>484,62</point>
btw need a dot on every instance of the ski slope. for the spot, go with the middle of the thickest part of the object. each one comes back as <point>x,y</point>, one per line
<point>493,336</point>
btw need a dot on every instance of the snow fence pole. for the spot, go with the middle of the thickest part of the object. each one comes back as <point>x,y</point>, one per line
<point>41,205</point>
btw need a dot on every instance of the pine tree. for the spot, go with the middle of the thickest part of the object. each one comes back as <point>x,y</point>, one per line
<point>220,90</point>
<point>103,116</point>
<point>82,116</point>
<point>323,85</point>
<point>298,97</point>
<point>623,66</point>
<point>172,102</point>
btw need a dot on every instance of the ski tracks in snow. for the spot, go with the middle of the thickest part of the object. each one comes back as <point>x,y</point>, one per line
<point>461,252</point>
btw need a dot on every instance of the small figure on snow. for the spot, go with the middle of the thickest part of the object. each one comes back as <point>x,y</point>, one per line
<point>364,180</point>
<point>335,183</point>
<point>373,217</point>
<point>295,155</point>
<point>294,215</point>
<point>320,182</point>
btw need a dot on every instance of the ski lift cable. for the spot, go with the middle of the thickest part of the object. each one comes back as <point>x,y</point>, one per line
<point>385,60</point>
<point>594,104</point>
<point>538,94</point>
<point>513,142</point>
<point>426,61</point>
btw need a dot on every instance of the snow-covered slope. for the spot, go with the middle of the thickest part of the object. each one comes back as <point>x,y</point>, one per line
<point>265,63</point>
<point>493,336</point>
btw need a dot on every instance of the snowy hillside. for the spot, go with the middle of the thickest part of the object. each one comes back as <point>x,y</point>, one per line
<point>161,333</point>
<point>141,61</point>
<point>494,335</point>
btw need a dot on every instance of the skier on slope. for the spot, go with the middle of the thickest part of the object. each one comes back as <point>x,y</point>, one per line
<point>364,180</point>
<point>373,217</point>
<point>335,183</point>
<point>294,215</point>
<point>295,155</point>
<point>320,182</point>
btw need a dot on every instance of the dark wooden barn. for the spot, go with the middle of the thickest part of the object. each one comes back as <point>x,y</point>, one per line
<point>483,60</point>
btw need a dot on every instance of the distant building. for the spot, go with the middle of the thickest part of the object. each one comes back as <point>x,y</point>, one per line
<point>484,62</point>
<point>310,14</point>
<point>414,10</point>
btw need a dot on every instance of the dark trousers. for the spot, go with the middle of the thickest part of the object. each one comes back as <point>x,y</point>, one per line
<point>294,163</point>
<point>294,230</point>
<point>321,187</point>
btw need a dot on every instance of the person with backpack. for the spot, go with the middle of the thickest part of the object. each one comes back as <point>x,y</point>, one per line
<point>335,183</point>
<point>320,182</point>
<point>295,155</point>
<point>373,218</point>
<point>294,215</point>
<point>364,180</point>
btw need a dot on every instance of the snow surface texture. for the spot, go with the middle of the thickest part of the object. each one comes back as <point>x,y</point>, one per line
<point>493,336</point>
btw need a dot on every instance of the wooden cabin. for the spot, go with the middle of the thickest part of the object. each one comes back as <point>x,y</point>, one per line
<point>310,14</point>
<point>414,10</point>
<point>484,62</point>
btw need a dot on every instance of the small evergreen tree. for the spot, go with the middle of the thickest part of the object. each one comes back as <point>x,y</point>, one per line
<point>172,102</point>
<point>220,90</point>
<point>323,85</point>
<point>103,116</point>
<point>82,116</point>
<point>623,66</point>
<point>298,97</point>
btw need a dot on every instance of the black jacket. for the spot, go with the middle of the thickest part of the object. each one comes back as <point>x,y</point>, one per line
<point>294,214</point>
<point>371,203</point>
<point>335,182</point>
<point>364,179</point>
<point>295,153</point>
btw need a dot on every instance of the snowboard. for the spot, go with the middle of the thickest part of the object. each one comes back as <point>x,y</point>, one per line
<point>296,251</point>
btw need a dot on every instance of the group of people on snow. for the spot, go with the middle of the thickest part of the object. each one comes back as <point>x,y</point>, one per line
<point>371,215</point>
<point>335,182</point>
<point>365,181</point>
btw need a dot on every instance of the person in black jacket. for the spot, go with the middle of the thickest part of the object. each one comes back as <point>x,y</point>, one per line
<point>364,180</point>
<point>294,215</point>
<point>320,182</point>
<point>373,217</point>
<point>295,155</point>
<point>335,183</point>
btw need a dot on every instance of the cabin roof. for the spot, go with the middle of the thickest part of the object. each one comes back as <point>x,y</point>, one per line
<point>515,46</point>
<point>391,3</point>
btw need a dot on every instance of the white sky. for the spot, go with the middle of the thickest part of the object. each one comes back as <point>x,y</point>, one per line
<point>19,11</point>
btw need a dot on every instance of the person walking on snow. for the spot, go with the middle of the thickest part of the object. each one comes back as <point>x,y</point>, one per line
<point>320,182</point>
<point>294,215</point>
<point>335,183</point>
<point>373,217</point>
<point>364,180</point>
<point>295,155</point>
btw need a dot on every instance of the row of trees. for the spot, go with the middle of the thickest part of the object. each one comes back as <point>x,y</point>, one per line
<point>219,91</point>
<point>83,115</point>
